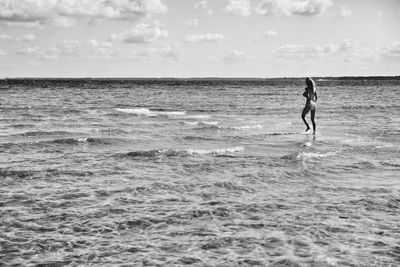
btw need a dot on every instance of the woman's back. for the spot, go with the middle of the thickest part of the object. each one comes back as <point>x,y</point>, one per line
<point>311,94</point>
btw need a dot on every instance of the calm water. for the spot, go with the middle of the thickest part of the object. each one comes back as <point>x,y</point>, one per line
<point>217,173</point>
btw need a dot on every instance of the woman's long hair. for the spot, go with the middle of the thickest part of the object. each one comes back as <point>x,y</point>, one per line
<point>310,83</point>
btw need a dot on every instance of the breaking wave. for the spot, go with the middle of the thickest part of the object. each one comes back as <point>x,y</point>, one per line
<point>150,113</point>
<point>44,133</point>
<point>302,156</point>
<point>201,123</point>
<point>230,128</point>
<point>66,142</point>
<point>184,152</point>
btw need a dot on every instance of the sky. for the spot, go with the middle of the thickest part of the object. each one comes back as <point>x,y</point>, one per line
<point>199,38</point>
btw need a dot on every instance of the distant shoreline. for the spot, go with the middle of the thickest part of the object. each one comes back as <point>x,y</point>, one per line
<point>322,78</point>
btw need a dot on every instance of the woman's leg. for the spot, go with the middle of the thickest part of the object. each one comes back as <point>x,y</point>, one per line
<point>303,116</point>
<point>313,121</point>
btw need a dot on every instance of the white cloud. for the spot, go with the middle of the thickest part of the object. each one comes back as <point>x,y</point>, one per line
<point>141,33</point>
<point>2,53</point>
<point>391,52</point>
<point>239,7</point>
<point>133,55</point>
<point>271,33</point>
<point>204,7</point>
<point>347,44</point>
<point>293,51</point>
<point>24,38</point>
<point>173,51</point>
<point>5,37</point>
<point>27,38</point>
<point>346,52</point>
<point>191,22</point>
<point>112,9</point>
<point>96,50</point>
<point>65,22</point>
<point>379,14</point>
<point>22,24</point>
<point>235,56</point>
<point>298,51</point>
<point>165,52</point>
<point>29,50</point>
<point>293,7</point>
<point>33,13</point>
<point>74,49</point>
<point>345,12</point>
<point>205,38</point>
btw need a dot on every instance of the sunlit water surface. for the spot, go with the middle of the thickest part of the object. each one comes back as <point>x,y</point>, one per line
<point>201,173</point>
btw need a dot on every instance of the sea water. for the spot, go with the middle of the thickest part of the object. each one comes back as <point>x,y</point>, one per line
<point>199,172</point>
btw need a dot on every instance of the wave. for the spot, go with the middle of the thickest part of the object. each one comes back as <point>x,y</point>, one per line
<point>260,136</point>
<point>307,155</point>
<point>246,127</point>
<point>150,113</point>
<point>7,173</point>
<point>196,117</point>
<point>360,107</point>
<point>88,140</point>
<point>44,133</point>
<point>215,152</point>
<point>278,134</point>
<point>370,143</point>
<point>22,125</point>
<point>201,138</point>
<point>163,113</point>
<point>66,141</point>
<point>71,111</point>
<point>184,152</point>
<point>230,128</point>
<point>310,155</point>
<point>391,164</point>
<point>369,106</point>
<point>109,131</point>
<point>34,173</point>
<point>201,123</point>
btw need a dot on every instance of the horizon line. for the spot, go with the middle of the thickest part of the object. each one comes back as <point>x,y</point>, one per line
<point>194,77</point>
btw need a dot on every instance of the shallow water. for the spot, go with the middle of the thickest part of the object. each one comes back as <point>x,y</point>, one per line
<point>203,173</point>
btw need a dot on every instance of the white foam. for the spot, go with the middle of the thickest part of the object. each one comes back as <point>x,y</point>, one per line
<point>212,123</point>
<point>171,113</point>
<point>247,127</point>
<point>310,155</point>
<point>307,144</point>
<point>137,111</point>
<point>196,117</point>
<point>215,152</point>
<point>360,142</point>
<point>82,139</point>
<point>209,122</point>
<point>354,141</point>
<point>150,113</point>
<point>191,122</point>
<point>308,132</point>
<point>241,128</point>
<point>215,125</point>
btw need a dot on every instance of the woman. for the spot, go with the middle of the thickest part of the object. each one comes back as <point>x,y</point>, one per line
<point>311,95</point>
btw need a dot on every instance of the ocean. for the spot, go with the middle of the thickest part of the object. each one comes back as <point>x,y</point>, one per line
<point>199,172</point>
